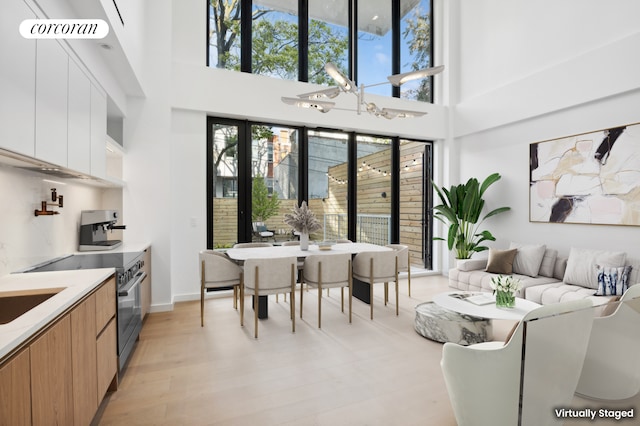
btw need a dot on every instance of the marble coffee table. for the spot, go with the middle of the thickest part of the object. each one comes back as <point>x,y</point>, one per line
<point>449,319</point>
<point>443,325</point>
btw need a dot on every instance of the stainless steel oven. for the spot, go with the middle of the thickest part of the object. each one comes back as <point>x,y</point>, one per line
<point>129,315</point>
<point>129,275</point>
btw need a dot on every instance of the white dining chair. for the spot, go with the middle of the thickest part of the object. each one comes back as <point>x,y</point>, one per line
<point>327,271</point>
<point>404,263</point>
<point>377,267</point>
<point>217,271</point>
<point>263,277</point>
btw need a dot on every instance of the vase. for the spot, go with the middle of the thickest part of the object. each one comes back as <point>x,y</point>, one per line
<point>304,241</point>
<point>505,299</point>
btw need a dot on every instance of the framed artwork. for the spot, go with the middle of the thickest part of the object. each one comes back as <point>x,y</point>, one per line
<point>590,178</point>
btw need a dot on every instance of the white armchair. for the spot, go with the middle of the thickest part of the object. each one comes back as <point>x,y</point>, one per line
<point>487,382</point>
<point>611,369</point>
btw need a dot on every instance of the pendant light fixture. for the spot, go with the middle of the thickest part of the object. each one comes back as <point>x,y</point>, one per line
<point>313,99</point>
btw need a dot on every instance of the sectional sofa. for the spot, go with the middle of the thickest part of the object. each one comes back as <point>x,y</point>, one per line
<point>549,278</point>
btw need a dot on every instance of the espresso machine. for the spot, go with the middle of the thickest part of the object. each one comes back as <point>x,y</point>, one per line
<point>94,225</point>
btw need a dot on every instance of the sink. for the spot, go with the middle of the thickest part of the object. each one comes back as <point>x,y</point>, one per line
<point>15,303</point>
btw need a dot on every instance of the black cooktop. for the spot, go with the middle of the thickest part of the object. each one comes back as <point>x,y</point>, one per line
<point>121,261</point>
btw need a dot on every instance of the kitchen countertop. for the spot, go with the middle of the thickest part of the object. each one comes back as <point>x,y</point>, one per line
<point>125,247</point>
<point>76,285</point>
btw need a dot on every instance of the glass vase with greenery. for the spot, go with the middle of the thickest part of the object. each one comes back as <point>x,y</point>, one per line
<point>460,210</point>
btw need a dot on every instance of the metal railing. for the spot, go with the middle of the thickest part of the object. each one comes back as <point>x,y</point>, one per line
<point>370,228</point>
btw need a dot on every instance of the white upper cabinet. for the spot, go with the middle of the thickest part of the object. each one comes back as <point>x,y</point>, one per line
<point>98,133</point>
<point>52,69</point>
<point>79,120</point>
<point>17,81</point>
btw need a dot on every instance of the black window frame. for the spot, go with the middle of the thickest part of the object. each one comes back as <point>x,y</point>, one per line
<point>303,40</point>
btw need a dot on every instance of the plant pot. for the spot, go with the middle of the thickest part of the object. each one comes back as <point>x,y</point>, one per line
<point>304,241</point>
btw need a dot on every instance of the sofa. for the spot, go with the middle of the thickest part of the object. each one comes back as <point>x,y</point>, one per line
<point>547,277</point>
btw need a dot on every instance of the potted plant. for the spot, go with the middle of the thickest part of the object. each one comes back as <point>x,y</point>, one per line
<point>460,210</point>
<point>303,220</point>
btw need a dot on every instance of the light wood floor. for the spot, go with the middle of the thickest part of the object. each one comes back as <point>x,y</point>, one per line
<point>378,372</point>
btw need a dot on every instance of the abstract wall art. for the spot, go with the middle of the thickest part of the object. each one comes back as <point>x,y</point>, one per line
<point>590,178</point>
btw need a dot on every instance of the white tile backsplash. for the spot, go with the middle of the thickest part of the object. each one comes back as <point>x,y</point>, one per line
<point>25,239</point>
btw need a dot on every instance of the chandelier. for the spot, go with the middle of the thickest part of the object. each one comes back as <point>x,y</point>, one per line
<point>315,99</point>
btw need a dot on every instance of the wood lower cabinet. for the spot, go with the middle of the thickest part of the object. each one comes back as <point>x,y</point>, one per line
<point>83,357</point>
<point>51,376</point>
<point>62,375</point>
<point>15,388</point>
<point>107,361</point>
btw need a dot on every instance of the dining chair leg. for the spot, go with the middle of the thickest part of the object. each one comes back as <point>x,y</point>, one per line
<point>350,290</point>
<point>202,277</point>
<point>386,293</point>
<point>319,302</point>
<point>342,299</point>
<point>256,296</point>
<point>301,295</point>
<point>350,298</point>
<point>409,277</point>
<point>241,304</point>
<point>371,287</point>
<point>235,297</point>
<point>293,299</point>
<point>397,306</point>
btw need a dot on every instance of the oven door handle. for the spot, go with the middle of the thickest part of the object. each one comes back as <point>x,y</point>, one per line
<point>125,291</point>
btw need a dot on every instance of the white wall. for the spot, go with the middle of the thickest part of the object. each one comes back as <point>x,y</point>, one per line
<point>533,71</point>
<point>26,240</point>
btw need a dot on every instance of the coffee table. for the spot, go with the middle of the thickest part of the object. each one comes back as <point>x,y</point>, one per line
<point>450,319</point>
<point>489,311</point>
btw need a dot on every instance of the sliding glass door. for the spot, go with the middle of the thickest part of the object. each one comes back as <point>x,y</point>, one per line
<point>366,188</point>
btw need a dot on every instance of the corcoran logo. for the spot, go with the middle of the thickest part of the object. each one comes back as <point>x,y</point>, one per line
<point>64,28</point>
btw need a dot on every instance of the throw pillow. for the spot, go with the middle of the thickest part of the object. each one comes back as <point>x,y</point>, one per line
<point>528,258</point>
<point>548,263</point>
<point>612,281</point>
<point>501,261</point>
<point>582,264</point>
<point>262,228</point>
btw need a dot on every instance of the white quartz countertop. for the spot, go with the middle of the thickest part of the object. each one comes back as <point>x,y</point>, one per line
<point>76,284</point>
<point>125,247</point>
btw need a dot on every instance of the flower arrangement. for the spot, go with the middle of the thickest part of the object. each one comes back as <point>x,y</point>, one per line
<point>505,289</point>
<point>302,219</point>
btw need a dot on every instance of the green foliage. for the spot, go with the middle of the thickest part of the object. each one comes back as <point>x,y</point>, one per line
<point>460,210</point>
<point>263,206</point>
<point>274,43</point>
<point>418,35</point>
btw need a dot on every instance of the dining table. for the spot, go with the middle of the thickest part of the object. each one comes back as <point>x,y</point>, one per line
<point>360,289</point>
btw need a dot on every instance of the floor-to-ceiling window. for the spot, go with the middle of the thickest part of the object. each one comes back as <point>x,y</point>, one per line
<point>292,39</point>
<point>373,189</point>
<point>257,172</point>
<point>222,185</point>
<point>328,181</point>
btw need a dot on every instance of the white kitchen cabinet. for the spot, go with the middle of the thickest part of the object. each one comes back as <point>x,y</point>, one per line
<point>79,120</point>
<point>52,69</point>
<point>17,81</point>
<point>98,133</point>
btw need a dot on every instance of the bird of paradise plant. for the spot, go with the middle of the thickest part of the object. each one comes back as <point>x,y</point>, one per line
<point>460,209</point>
